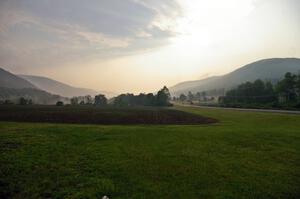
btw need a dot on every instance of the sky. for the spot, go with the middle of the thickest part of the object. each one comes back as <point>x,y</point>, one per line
<point>141,45</point>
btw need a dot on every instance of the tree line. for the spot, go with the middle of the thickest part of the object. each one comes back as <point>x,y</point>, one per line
<point>251,92</point>
<point>27,96</point>
<point>162,98</point>
<point>20,101</point>
<point>285,91</point>
<point>98,100</point>
<point>203,96</point>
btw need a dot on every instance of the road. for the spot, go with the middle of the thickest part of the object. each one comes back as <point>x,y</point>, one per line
<point>245,109</point>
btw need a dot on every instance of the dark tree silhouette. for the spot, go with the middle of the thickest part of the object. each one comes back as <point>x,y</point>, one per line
<point>298,86</point>
<point>288,87</point>
<point>23,101</point>
<point>100,100</point>
<point>59,103</point>
<point>256,92</point>
<point>163,97</point>
<point>74,101</point>
<point>88,100</point>
<point>190,96</point>
<point>182,97</point>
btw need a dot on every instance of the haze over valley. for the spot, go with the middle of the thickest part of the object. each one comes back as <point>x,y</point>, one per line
<point>117,99</point>
<point>135,46</point>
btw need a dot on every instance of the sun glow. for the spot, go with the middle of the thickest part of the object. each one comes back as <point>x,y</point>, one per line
<point>205,22</point>
<point>141,45</point>
<point>200,29</point>
<point>212,37</point>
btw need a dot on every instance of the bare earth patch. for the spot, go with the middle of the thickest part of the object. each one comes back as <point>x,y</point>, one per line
<point>94,115</point>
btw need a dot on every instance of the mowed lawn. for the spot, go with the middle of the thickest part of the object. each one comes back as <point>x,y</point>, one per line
<point>245,155</point>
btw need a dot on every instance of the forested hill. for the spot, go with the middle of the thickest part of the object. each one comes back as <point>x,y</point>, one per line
<point>9,80</point>
<point>57,87</point>
<point>62,89</point>
<point>267,69</point>
<point>13,87</point>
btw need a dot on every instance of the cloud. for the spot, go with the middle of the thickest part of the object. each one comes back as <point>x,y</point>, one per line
<point>42,32</point>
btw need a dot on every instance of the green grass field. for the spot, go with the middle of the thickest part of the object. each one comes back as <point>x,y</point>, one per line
<point>245,155</point>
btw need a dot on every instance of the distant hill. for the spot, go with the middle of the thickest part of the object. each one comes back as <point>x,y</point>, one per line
<point>267,69</point>
<point>9,80</point>
<point>41,90</point>
<point>60,88</point>
<point>36,95</point>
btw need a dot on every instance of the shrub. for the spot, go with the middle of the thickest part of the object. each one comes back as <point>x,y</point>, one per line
<point>59,103</point>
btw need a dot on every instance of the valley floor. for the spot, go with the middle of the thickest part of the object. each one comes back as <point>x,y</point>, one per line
<point>244,155</point>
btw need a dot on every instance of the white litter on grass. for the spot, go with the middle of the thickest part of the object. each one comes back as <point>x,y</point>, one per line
<point>105,197</point>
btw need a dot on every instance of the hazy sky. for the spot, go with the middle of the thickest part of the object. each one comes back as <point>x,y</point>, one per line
<point>141,45</point>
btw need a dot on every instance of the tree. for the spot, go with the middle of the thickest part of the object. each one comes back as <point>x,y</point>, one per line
<point>88,99</point>
<point>298,86</point>
<point>256,92</point>
<point>59,103</point>
<point>271,96</point>
<point>182,97</point>
<point>163,97</point>
<point>198,96</point>
<point>258,87</point>
<point>288,86</point>
<point>150,99</point>
<point>100,100</point>
<point>204,95</point>
<point>269,88</point>
<point>190,96</point>
<point>23,101</point>
<point>8,102</point>
<point>30,102</point>
<point>74,101</point>
<point>124,100</point>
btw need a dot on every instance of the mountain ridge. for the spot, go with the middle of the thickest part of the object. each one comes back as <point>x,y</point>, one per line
<point>60,88</point>
<point>57,87</point>
<point>266,69</point>
<point>13,87</point>
<point>10,80</point>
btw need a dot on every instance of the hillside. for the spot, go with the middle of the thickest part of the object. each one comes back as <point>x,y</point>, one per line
<point>10,80</point>
<point>60,88</point>
<point>12,87</point>
<point>267,69</point>
<point>36,95</point>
